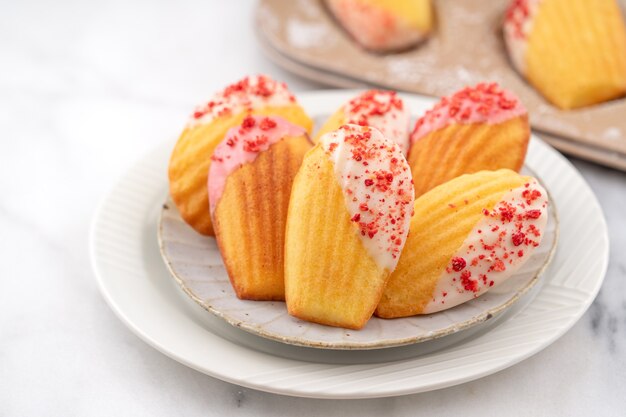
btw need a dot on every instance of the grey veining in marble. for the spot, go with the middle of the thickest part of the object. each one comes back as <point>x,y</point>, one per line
<point>88,87</point>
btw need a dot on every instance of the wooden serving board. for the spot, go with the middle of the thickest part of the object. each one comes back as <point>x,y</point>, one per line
<point>465,48</point>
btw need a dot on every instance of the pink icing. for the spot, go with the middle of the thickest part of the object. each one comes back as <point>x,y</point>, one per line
<point>249,93</point>
<point>495,249</point>
<point>483,103</point>
<point>242,145</point>
<point>378,188</point>
<point>383,110</point>
<point>373,26</point>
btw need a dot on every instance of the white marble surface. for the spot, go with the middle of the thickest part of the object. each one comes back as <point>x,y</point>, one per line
<point>88,87</point>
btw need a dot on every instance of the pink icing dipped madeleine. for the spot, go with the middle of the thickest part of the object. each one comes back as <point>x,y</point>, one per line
<point>381,109</point>
<point>249,185</point>
<point>467,236</point>
<point>348,222</point>
<point>384,25</point>
<point>477,128</point>
<point>191,157</point>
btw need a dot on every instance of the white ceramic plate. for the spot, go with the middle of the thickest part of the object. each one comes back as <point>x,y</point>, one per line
<point>138,287</point>
<point>196,264</point>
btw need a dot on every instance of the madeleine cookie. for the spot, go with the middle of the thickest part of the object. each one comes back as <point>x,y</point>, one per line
<point>249,185</point>
<point>572,51</point>
<point>348,220</point>
<point>478,128</point>
<point>467,236</point>
<point>191,158</point>
<point>384,25</point>
<point>381,109</point>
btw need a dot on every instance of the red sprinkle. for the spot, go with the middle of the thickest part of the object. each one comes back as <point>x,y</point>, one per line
<point>533,214</point>
<point>518,238</point>
<point>481,100</point>
<point>248,122</point>
<point>458,264</point>
<point>468,283</point>
<point>267,124</point>
<point>255,145</point>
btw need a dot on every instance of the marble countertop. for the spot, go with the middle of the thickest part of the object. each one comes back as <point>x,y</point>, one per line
<point>86,88</point>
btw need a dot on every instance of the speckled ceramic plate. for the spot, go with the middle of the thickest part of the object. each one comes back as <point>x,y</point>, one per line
<point>139,289</point>
<point>196,265</point>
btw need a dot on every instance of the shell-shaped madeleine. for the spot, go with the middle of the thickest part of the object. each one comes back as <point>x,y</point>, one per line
<point>384,25</point>
<point>467,236</point>
<point>249,185</point>
<point>191,158</point>
<point>381,109</point>
<point>348,219</point>
<point>478,128</point>
<point>572,51</point>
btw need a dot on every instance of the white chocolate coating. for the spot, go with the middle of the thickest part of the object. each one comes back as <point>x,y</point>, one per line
<point>378,188</point>
<point>517,26</point>
<point>495,249</point>
<point>249,93</point>
<point>383,110</point>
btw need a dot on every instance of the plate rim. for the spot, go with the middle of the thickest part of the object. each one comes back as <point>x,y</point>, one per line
<point>253,380</point>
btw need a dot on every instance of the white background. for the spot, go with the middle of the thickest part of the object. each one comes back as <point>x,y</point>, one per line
<point>88,87</point>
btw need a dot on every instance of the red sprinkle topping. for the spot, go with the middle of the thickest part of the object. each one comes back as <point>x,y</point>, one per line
<point>478,103</point>
<point>504,235</point>
<point>372,103</point>
<point>468,283</point>
<point>248,122</point>
<point>255,145</point>
<point>267,124</point>
<point>518,238</point>
<point>458,264</point>
<point>516,15</point>
<point>533,214</point>
<point>378,185</point>
<point>241,95</point>
<point>531,195</point>
<point>498,265</point>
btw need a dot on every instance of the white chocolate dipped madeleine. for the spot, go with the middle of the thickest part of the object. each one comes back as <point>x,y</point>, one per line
<point>348,220</point>
<point>468,235</point>
<point>572,51</point>
<point>382,109</point>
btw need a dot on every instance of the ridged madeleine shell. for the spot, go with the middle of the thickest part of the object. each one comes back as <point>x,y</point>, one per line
<point>191,158</point>
<point>336,120</point>
<point>459,149</point>
<point>576,53</point>
<point>329,276</point>
<point>250,219</point>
